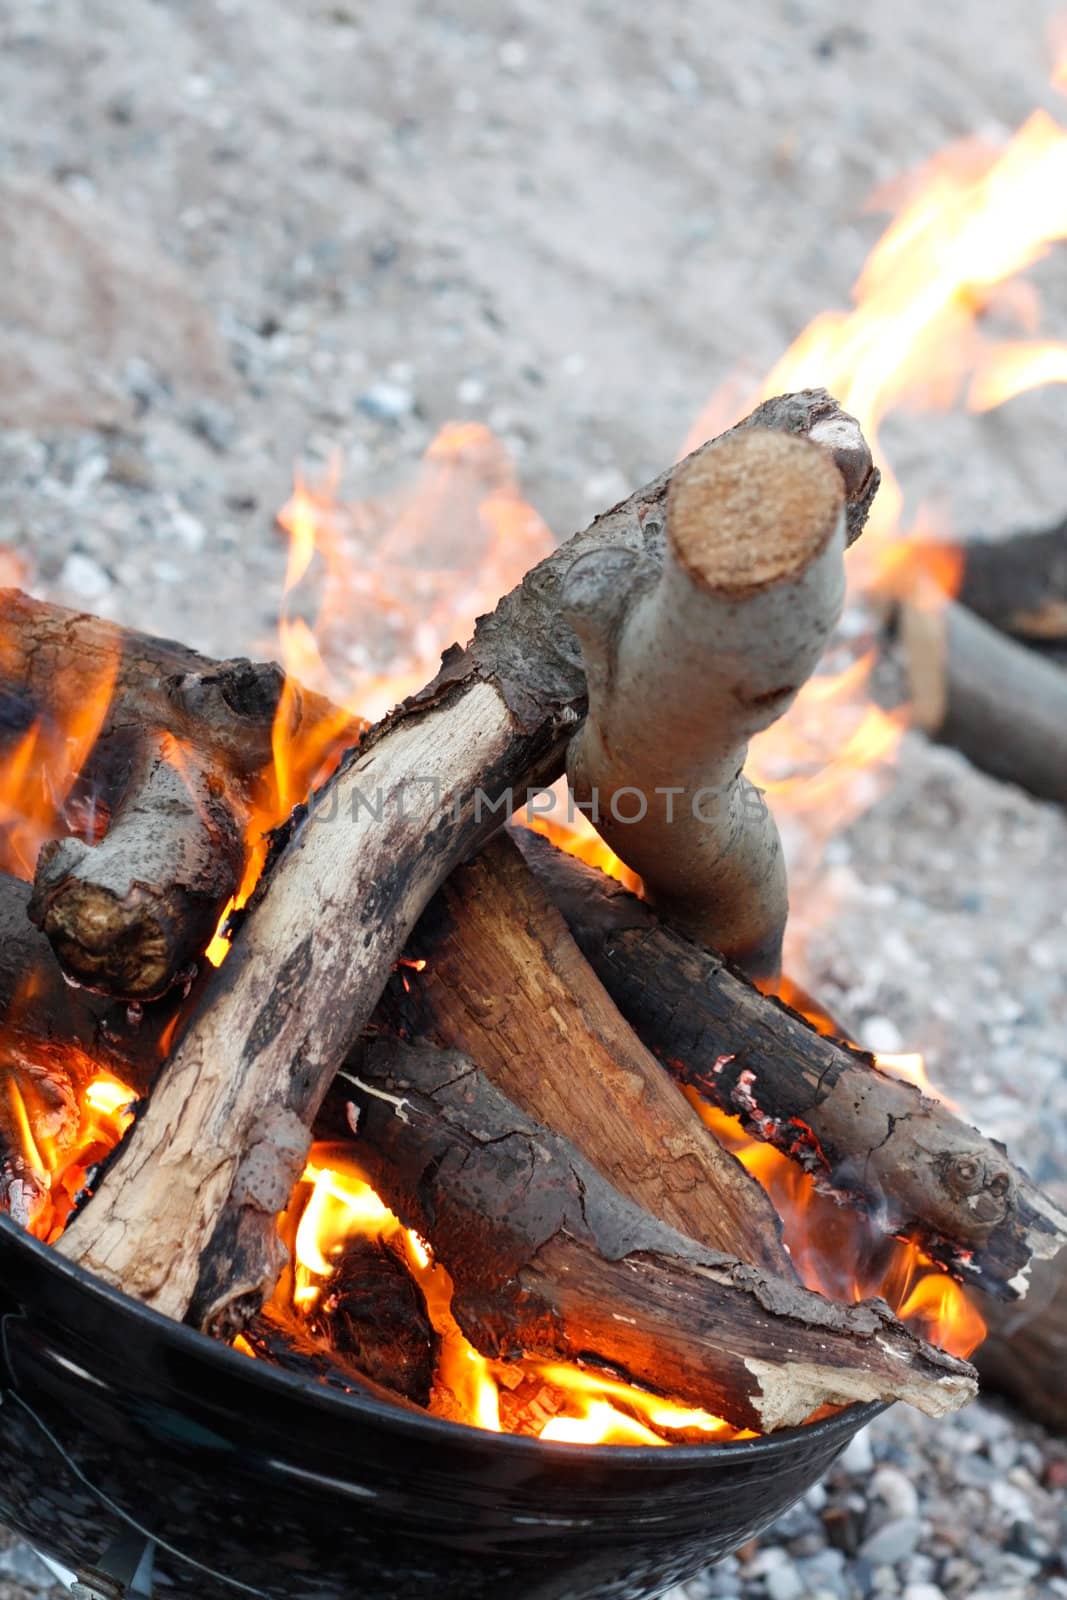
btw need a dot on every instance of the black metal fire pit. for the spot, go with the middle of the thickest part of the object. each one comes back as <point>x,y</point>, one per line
<point>127,1441</point>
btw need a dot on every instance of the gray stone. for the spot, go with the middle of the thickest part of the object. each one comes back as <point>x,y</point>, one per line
<point>387,402</point>
<point>83,577</point>
<point>896,1492</point>
<point>892,1542</point>
<point>23,1564</point>
<point>784,1583</point>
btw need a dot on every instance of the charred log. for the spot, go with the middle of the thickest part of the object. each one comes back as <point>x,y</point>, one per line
<point>373,1316</point>
<point>1025,1354</point>
<point>548,1259</point>
<point>501,979</point>
<point>185,1217</point>
<point>873,1140</point>
<point>177,760</point>
<point>285,1343</point>
<point>988,696</point>
<point>1019,585</point>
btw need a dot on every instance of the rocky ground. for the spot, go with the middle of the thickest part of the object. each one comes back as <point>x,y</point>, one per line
<point>239,234</point>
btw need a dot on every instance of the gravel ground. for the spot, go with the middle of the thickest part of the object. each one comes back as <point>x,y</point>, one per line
<point>237,234</point>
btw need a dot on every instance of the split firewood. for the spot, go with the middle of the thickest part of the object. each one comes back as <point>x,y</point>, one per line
<point>869,1138</point>
<point>988,696</point>
<point>192,1196</point>
<point>687,663</point>
<point>178,758</point>
<point>1019,585</point>
<point>1025,1352</point>
<point>549,1260</point>
<point>503,981</point>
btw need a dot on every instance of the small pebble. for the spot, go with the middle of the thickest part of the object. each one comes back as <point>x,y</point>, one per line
<point>784,1583</point>
<point>80,575</point>
<point>387,402</point>
<point>892,1542</point>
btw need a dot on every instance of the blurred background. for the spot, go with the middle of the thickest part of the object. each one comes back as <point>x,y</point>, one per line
<point>241,241</point>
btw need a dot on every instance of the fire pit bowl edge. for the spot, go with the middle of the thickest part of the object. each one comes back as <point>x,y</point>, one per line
<point>118,1426</point>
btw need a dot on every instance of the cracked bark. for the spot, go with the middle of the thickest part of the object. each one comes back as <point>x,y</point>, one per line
<point>548,1259</point>
<point>913,1166</point>
<point>169,1222</point>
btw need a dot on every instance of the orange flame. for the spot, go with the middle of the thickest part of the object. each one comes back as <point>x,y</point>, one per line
<point>60,1152</point>
<point>39,772</point>
<point>335,1204</point>
<point>833,1254</point>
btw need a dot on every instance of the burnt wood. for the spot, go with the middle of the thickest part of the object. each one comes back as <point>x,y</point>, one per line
<point>194,1234</point>
<point>497,975</point>
<point>548,1259</point>
<point>872,1140</point>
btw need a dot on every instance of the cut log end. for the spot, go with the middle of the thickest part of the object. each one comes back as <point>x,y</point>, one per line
<point>754,511</point>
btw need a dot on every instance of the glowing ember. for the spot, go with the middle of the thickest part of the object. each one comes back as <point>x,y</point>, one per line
<point>62,1133</point>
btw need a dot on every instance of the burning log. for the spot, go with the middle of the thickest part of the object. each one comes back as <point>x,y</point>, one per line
<point>185,1216</point>
<point>684,666</point>
<point>179,752</point>
<point>373,1315</point>
<point>999,703</point>
<point>548,1259</point>
<point>1017,585</point>
<point>1025,1354</point>
<point>46,1018</point>
<point>55,1041</point>
<point>502,980</point>
<point>872,1139</point>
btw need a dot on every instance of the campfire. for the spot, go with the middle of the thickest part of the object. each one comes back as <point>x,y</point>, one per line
<point>556,1146</point>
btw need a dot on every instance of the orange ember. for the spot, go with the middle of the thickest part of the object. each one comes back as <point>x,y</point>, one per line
<point>58,1134</point>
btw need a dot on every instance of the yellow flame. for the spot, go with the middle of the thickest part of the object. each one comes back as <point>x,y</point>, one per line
<point>335,1204</point>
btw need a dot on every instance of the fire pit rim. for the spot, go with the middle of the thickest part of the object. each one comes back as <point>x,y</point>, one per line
<point>425,1425</point>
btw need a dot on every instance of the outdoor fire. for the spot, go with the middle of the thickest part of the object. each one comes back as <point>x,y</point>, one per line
<point>422,1009</point>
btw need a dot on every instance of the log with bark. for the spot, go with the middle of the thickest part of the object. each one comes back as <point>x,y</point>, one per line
<point>497,975</point>
<point>179,760</point>
<point>1018,585</point>
<point>54,1039</point>
<point>549,1260</point>
<point>185,1216</point>
<point>870,1138</point>
<point>1002,705</point>
<point>1025,1353</point>
<point>685,665</point>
